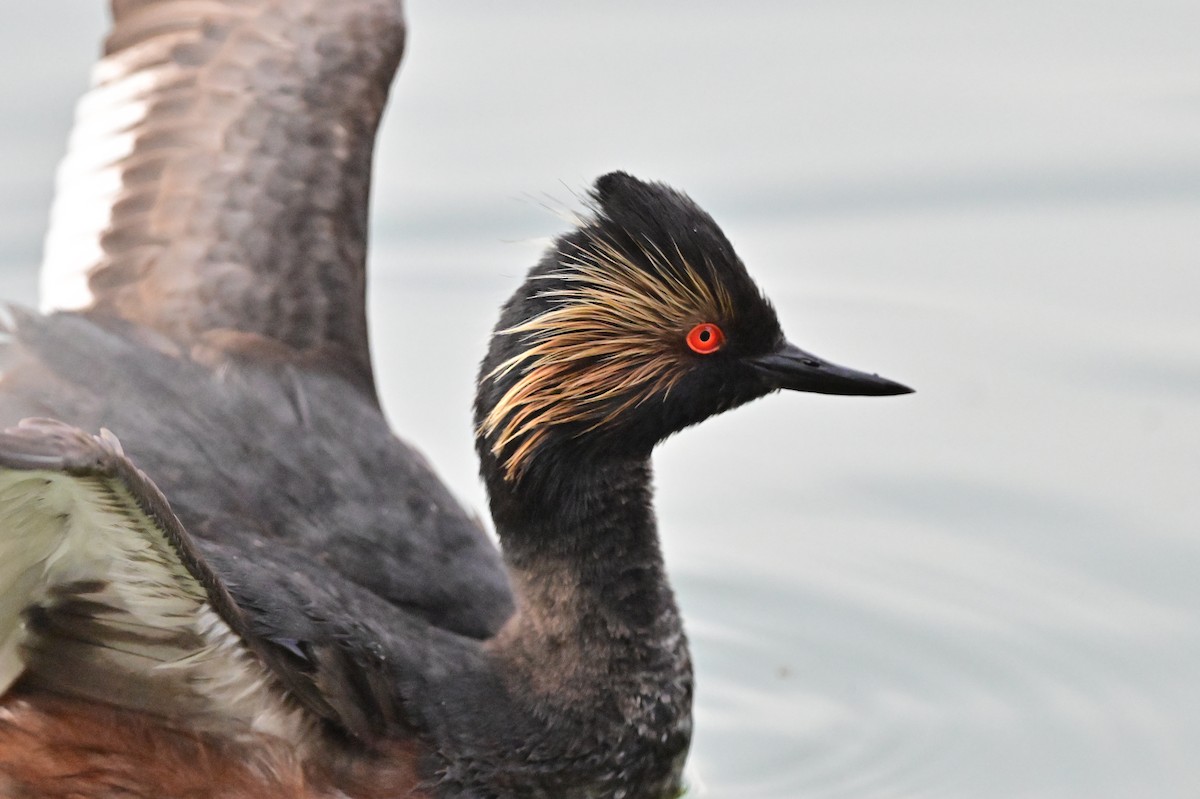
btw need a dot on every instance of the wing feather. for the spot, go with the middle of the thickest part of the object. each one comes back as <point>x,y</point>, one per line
<point>102,595</point>
<point>217,178</point>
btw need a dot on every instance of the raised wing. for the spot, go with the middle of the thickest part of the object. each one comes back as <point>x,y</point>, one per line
<point>217,180</point>
<point>103,596</point>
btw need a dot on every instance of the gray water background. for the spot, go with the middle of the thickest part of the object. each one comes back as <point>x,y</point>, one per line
<point>988,589</point>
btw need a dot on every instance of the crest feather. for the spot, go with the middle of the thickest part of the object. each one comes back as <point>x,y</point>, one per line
<point>609,340</point>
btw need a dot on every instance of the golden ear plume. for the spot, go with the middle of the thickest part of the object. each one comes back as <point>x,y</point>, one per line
<point>611,340</point>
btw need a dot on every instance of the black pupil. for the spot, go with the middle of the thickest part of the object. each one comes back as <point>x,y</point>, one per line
<point>705,335</point>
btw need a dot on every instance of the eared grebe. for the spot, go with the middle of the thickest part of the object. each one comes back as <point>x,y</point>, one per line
<point>250,588</point>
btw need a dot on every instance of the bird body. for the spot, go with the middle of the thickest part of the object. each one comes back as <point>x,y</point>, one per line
<point>222,574</point>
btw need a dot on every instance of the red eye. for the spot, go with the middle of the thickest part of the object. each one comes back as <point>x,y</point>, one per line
<point>705,338</point>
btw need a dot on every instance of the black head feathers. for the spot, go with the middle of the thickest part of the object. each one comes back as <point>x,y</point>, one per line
<point>633,326</point>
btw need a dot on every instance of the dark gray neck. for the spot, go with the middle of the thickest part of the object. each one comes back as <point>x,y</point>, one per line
<point>596,643</point>
<point>587,568</point>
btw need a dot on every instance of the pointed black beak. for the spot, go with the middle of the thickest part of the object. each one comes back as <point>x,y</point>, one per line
<point>792,368</point>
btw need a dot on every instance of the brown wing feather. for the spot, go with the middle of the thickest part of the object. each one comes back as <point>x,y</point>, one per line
<point>217,182</point>
<point>54,747</point>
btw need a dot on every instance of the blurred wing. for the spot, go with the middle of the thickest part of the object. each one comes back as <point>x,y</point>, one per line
<point>102,595</point>
<point>217,179</point>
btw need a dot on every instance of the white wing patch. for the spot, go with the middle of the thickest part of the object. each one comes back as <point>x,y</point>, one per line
<point>95,601</point>
<point>90,177</point>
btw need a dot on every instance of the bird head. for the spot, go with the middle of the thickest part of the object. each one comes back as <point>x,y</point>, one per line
<point>640,322</point>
